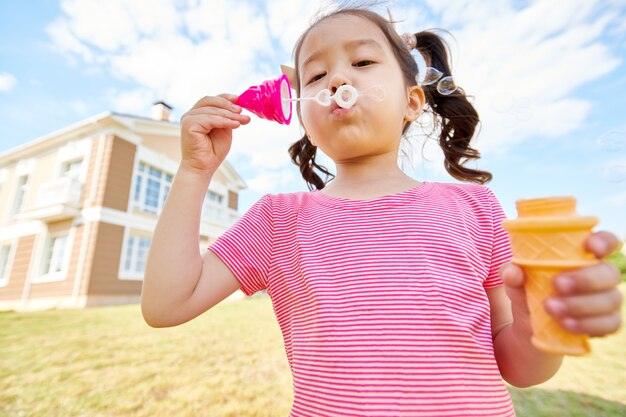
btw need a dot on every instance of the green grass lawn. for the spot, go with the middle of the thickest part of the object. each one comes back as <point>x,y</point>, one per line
<point>228,362</point>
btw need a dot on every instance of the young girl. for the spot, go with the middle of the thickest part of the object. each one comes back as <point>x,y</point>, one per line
<point>394,297</point>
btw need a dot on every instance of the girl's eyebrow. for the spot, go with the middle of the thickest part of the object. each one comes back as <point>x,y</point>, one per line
<point>346,45</point>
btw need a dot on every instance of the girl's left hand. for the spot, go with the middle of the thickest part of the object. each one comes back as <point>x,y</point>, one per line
<point>586,300</point>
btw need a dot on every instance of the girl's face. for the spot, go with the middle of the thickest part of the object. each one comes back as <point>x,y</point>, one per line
<point>352,50</point>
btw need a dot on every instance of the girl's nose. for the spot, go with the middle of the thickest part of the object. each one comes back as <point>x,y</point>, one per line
<point>336,81</point>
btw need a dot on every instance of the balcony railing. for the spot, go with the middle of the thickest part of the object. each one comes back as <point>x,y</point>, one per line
<point>57,199</point>
<point>218,215</point>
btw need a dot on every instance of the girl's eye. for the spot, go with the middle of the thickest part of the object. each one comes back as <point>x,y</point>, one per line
<point>315,78</point>
<point>363,63</point>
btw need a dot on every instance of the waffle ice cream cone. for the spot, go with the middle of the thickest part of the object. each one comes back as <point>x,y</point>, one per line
<point>548,238</point>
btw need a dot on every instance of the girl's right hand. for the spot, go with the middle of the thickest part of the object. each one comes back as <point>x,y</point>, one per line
<point>207,132</point>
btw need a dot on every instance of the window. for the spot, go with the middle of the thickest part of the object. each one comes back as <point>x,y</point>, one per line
<point>71,168</point>
<point>212,209</point>
<point>151,188</point>
<point>136,254</point>
<point>20,191</point>
<point>5,251</point>
<point>214,197</point>
<point>55,255</point>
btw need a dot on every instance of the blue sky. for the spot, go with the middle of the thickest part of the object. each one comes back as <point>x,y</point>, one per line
<point>547,78</point>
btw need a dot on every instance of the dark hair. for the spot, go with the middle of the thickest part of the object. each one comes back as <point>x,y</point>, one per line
<point>458,118</point>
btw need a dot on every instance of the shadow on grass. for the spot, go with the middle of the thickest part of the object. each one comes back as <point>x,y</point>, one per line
<point>537,402</point>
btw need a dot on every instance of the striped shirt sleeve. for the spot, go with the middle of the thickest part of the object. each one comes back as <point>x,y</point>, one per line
<point>246,248</point>
<point>501,249</point>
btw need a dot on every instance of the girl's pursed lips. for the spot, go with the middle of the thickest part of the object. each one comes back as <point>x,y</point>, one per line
<point>337,111</point>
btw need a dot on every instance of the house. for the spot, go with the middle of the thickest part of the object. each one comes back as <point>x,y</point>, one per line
<point>78,207</point>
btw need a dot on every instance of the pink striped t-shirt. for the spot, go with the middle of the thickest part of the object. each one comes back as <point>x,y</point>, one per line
<point>381,302</point>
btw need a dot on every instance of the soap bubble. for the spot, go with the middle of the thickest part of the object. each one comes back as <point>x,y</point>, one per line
<point>431,76</point>
<point>503,102</point>
<point>446,86</point>
<point>616,173</point>
<point>522,110</point>
<point>612,141</point>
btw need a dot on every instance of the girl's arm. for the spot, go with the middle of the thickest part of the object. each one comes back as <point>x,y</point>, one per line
<point>178,283</point>
<point>587,301</point>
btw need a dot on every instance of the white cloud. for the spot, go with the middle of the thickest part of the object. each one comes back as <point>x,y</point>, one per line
<point>7,81</point>
<point>287,20</point>
<point>67,43</point>
<point>138,101</point>
<point>265,142</point>
<point>269,181</point>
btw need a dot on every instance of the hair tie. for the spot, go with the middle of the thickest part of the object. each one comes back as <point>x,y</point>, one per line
<point>409,41</point>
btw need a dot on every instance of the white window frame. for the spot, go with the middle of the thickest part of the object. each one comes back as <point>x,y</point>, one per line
<point>141,179</point>
<point>214,197</point>
<point>74,151</point>
<point>3,179</point>
<point>15,207</point>
<point>132,241</point>
<point>46,276</point>
<point>4,277</point>
<point>76,173</point>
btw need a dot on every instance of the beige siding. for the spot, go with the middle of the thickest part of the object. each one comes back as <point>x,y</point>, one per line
<point>120,157</point>
<point>91,171</point>
<point>90,256</point>
<point>79,235</point>
<point>43,172</point>
<point>219,177</point>
<point>19,269</point>
<point>167,145</point>
<point>106,264</point>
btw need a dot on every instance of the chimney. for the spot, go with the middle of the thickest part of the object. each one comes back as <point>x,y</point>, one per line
<point>161,111</point>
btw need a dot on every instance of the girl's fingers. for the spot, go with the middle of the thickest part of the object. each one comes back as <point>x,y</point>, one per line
<point>580,306</point>
<point>593,326</point>
<point>202,113</point>
<point>512,275</point>
<point>209,123</point>
<point>602,244</point>
<point>600,277</point>
<point>225,101</point>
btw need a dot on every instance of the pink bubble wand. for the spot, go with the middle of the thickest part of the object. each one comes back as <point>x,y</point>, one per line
<point>269,100</point>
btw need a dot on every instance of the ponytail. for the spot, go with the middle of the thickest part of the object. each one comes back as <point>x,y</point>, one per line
<point>458,117</point>
<point>303,155</point>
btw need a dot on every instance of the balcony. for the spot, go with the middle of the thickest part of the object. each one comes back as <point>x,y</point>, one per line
<point>58,199</point>
<point>218,215</point>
